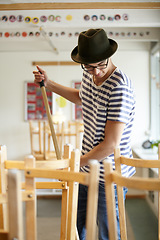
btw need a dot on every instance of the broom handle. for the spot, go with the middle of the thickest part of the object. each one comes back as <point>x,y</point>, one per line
<point>43,90</point>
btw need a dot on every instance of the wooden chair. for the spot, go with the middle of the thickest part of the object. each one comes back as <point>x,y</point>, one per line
<point>40,139</point>
<point>31,186</point>
<point>28,196</point>
<point>68,186</point>
<point>59,132</point>
<point>134,182</point>
<point>13,199</point>
<point>73,131</point>
<point>73,178</point>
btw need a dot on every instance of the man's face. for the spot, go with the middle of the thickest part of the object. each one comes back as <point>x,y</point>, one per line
<point>98,69</point>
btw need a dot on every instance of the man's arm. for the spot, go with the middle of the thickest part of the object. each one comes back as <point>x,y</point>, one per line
<point>70,94</point>
<point>113,134</point>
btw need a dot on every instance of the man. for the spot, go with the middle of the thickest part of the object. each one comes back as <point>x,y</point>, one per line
<point>108,106</point>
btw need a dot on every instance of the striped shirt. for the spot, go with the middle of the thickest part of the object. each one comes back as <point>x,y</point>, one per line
<point>113,100</point>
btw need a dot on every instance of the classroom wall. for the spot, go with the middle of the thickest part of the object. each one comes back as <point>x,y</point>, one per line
<point>16,68</point>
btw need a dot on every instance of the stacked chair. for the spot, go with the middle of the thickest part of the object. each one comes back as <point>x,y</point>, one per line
<point>67,172</point>
<point>40,137</point>
<point>115,177</point>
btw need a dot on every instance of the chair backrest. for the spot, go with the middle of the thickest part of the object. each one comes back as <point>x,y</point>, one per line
<point>13,200</point>
<point>119,159</point>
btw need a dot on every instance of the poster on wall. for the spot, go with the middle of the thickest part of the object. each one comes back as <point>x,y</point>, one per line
<point>77,113</point>
<point>34,105</point>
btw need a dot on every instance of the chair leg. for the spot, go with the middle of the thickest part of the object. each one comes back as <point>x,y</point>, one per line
<point>73,199</point>
<point>110,202</point>
<point>64,213</point>
<point>121,205</point>
<point>92,200</point>
<point>31,226</point>
<point>15,205</point>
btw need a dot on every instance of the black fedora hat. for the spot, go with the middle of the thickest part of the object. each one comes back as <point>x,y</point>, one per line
<point>93,46</point>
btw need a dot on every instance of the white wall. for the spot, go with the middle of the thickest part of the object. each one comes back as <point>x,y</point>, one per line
<point>133,59</point>
<point>16,68</point>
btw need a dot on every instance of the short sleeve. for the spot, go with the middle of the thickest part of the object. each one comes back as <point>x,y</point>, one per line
<point>121,104</point>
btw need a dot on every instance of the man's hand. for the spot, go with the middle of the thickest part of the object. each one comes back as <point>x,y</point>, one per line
<point>40,75</point>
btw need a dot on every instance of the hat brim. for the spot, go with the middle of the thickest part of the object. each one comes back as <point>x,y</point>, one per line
<point>79,59</point>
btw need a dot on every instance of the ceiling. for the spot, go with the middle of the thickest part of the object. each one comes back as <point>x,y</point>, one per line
<point>57,30</point>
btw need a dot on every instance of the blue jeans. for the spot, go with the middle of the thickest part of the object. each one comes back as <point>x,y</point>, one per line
<point>101,213</point>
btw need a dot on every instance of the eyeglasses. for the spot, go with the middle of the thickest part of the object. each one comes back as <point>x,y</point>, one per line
<point>90,68</point>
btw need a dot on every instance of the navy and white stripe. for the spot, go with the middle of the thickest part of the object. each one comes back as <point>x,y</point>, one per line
<point>113,100</point>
